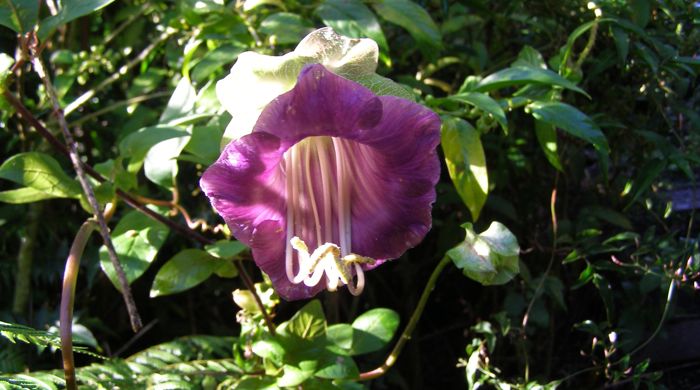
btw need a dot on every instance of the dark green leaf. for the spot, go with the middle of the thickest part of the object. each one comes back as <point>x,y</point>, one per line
<point>338,367</point>
<point>70,10</point>
<point>529,57</point>
<point>485,103</point>
<point>185,270</point>
<point>40,172</point>
<point>353,19</point>
<point>19,15</point>
<point>285,27</point>
<point>215,60</point>
<point>204,145</point>
<point>518,76</point>
<point>373,329</point>
<point>225,249</point>
<point>137,239</point>
<point>570,120</point>
<point>646,176</point>
<point>415,20</point>
<point>466,162</point>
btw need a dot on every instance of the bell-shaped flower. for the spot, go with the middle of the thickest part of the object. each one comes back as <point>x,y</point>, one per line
<point>332,181</point>
<point>256,79</point>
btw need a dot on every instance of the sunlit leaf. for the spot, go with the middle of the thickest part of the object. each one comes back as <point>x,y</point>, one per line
<point>373,329</point>
<point>185,270</point>
<point>40,172</point>
<point>309,322</point>
<point>466,162</point>
<point>490,258</point>
<point>24,195</point>
<point>547,138</point>
<point>137,239</point>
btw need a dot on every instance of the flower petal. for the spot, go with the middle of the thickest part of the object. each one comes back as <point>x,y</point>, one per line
<point>256,79</point>
<point>387,146</point>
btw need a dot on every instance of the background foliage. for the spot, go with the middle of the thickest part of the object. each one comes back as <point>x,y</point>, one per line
<point>575,125</point>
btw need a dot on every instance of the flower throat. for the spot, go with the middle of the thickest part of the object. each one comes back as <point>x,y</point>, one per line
<point>319,184</point>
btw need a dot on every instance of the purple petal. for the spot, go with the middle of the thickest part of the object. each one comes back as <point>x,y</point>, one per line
<point>385,146</point>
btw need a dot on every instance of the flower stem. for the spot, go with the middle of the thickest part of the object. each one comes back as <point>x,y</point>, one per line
<point>70,276</point>
<point>406,335</point>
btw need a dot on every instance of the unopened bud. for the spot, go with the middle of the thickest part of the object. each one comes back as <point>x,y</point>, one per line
<point>245,300</point>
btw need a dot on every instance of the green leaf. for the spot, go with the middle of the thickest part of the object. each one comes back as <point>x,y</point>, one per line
<point>19,15</point>
<point>294,376</point>
<point>485,103</point>
<point>160,164</point>
<point>215,60</point>
<point>415,20</point>
<point>547,138</point>
<point>6,63</point>
<point>181,102</point>
<point>373,329</point>
<point>340,335</point>
<point>256,383</point>
<point>520,75</point>
<point>570,120</point>
<point>529,57</point>
<point>70,10</point>
<point>40,172</point>
<point>646,176</point>
<point>24,195</point>
<point>269,349</point>
<point>225,249</point>
<point>383,86</point>
<point>185,270</point>
<point>285,27</point>
<point>338,367</point>
<point>352,18</point>
<point>466,162</point>
<point>136,145</point>
<point>203,146</point>
<point>137,239</point>
<point>309,322</point>
<point>490,258</point>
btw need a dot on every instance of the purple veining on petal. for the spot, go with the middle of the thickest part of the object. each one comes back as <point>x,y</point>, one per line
<point>328,161</point>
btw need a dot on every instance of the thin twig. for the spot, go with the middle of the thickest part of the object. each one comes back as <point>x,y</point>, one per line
<point>70,276</point>
<point>406,334</point>
<point>127,102</point>
<point>90,193</point>
<point>540,285</point>
<point>121,72</point>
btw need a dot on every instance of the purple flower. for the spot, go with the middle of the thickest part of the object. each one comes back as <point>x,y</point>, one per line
<point>332,182</point>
